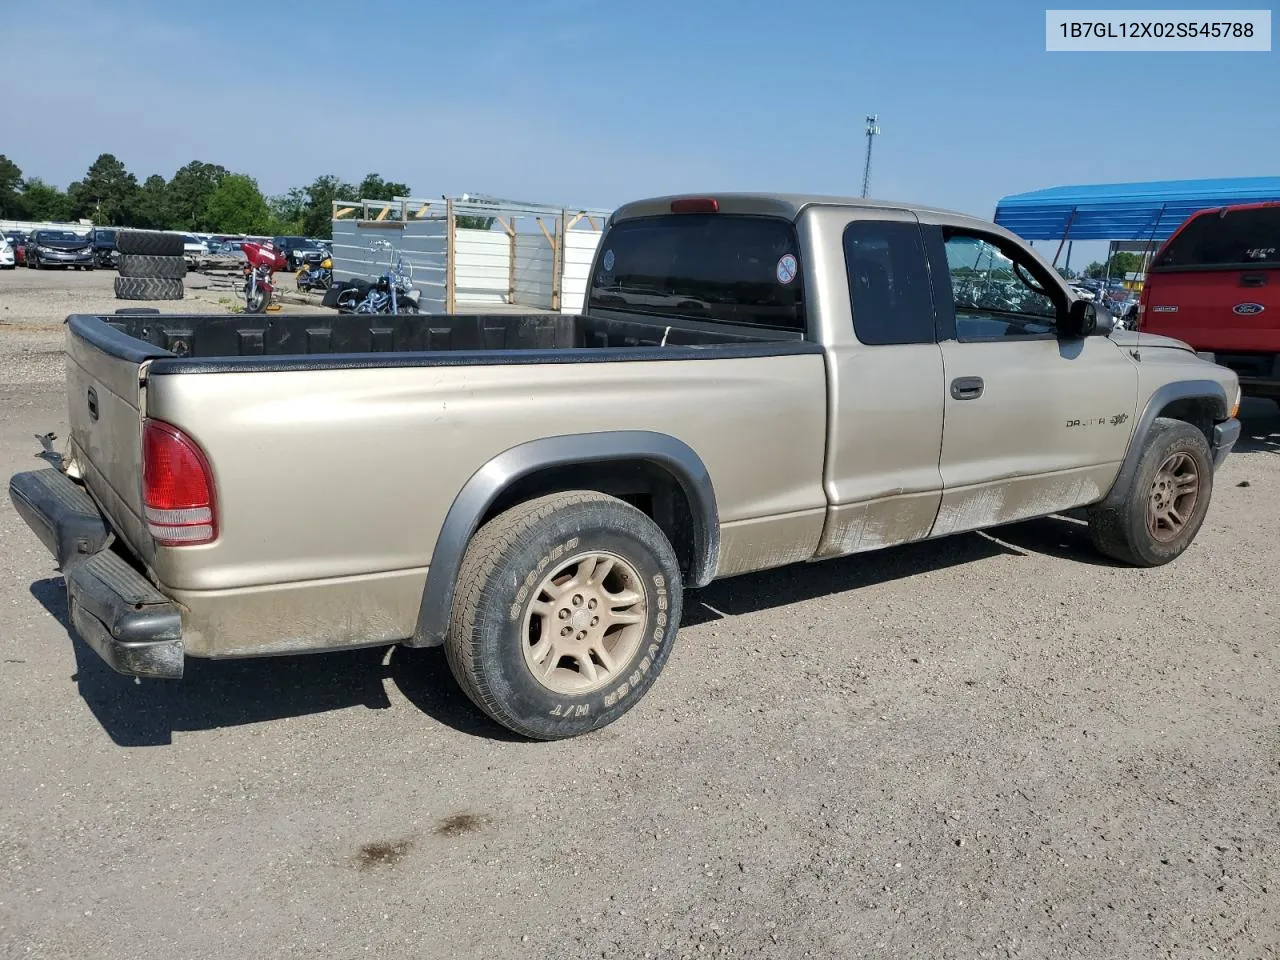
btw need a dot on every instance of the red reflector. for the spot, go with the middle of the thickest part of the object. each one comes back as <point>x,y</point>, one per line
<point>177,487</point>
<point>695,205</point>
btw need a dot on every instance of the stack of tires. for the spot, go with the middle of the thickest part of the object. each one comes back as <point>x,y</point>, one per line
<point>151,265</point>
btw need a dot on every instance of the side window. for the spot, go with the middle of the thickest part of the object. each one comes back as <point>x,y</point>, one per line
<point>996,295</point>
<point>888,283</point>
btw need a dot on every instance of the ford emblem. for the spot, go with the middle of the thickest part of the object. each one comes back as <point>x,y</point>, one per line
<point>1247,309</point>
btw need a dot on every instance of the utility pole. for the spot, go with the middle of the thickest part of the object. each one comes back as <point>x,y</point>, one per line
<point>872,130</point>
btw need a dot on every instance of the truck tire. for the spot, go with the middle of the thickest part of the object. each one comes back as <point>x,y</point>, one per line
<point>148,288</point>
<point>146,265</point>
<point>1155,518</point>
<point>152,243</point>
<point>564,614</point>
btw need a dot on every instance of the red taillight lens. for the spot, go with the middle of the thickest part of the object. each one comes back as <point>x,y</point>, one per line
<point>695,205</point>
<point>177,487</point>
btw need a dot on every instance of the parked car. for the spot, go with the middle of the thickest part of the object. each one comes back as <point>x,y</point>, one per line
<point>298,250</point>
<point>59,248</point>
<point>193,246</point>
<point>104,248</point>
<point>1216,284</point>
<point>18,241</point>
<point>7,258</point>
<point>756,380</point>
<point>231,248</point>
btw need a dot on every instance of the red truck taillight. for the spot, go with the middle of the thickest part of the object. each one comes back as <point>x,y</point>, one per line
<point>177,487</point>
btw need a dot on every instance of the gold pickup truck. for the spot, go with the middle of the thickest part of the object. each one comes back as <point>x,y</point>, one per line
<point>757,380</point>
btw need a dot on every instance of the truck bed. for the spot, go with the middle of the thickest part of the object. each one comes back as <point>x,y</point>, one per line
<point>260,342</point>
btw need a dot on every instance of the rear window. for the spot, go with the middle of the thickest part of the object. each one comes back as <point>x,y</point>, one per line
<point>719,267</point>
<point>1238,240</point>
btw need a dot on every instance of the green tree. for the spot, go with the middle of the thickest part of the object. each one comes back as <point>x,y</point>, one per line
<point>287,212</point>
<point>373,187</point>
<point>10,187</point>
<point>151,208</point>
<point>317,215</point>
<point>189,192</point>
<point>237,206</point>
<point>1120,263</point>
<point>43,201</point>
<point>107,193</point>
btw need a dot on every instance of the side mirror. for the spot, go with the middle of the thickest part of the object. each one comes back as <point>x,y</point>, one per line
<point>1081,320</point>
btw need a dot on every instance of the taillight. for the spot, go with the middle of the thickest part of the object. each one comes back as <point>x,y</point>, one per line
<point>695,205</point>
<point>177,487</point>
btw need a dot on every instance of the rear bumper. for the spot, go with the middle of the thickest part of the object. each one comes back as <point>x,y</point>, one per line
<point>135,628</point>
<point>1259,373</point>
<point>1225,435</point>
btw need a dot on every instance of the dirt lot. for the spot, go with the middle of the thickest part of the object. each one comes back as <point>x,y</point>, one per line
<point>990,746</point>
<point>44,297</point>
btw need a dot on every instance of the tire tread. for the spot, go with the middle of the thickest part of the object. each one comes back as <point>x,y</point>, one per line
<point>151,266</point>
<point>1118,524</point>
<point>148,288</point>
<point>156,243</point>
<point>489,545</point>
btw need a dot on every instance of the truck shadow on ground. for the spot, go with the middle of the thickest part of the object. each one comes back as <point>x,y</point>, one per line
<point>1259,427</point>
<point>225,693</point>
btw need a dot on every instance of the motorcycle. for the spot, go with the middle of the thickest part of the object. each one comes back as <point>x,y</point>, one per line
<point>261,261</point>
<point>316,276</point>
<point>391,293</point>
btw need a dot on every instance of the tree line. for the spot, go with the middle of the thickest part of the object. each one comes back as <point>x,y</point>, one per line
<point>200,197</point>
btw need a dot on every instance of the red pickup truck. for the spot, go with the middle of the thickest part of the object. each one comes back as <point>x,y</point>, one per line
<point>1215,284</point>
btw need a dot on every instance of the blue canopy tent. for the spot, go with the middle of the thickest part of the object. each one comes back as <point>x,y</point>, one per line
<point>1145,213</point>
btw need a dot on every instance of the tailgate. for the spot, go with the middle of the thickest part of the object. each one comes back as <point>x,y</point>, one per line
<point>1222,311</point>
<point>104,409</point>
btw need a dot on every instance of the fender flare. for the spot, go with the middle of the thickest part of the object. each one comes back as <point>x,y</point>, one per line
<point>495,476</point>
<point>1161,398</point>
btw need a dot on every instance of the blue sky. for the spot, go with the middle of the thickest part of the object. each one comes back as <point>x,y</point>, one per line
<point>593,103</point>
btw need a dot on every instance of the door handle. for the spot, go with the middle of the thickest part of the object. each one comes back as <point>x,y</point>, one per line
<point>92,403</point>
<point>966,388</point>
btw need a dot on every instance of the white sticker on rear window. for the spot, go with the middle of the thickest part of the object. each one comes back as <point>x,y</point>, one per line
<point>608,261</point>
<point>786,268</point>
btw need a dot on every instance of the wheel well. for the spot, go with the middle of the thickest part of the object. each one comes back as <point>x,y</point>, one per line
<point>645,485</point>
<point>1200,412</point>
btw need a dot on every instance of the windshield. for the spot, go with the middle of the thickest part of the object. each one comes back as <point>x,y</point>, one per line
<point>718,267</point>
<point>60,236</point>
<point>1236,240</point>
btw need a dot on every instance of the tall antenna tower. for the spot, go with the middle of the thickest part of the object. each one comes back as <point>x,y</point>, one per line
<point>872,131</point>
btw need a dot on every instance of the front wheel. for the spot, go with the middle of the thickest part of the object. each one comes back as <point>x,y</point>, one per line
<point>1154,518</point>
<point>256,301</point>
<point>565,612</point>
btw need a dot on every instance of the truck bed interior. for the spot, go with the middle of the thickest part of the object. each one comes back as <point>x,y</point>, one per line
<point>207,337</point>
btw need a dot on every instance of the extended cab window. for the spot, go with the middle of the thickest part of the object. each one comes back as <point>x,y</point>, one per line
<point>719,267</point>
<point>1237,240</point>
<point>888,282</point>
<point>997,292</point>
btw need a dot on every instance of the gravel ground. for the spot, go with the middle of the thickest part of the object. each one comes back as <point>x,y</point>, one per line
<point>47,297</point>
<point>984,746</point>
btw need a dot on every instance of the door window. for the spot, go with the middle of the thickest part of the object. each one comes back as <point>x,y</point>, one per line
<point>998,294</point>
<point>888,283</point>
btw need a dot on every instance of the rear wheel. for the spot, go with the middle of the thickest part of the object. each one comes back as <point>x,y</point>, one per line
<point>1156,517</point>
<point>565,612</point>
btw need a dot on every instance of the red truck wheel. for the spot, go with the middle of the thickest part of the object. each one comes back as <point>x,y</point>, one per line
<point>565,612</point>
